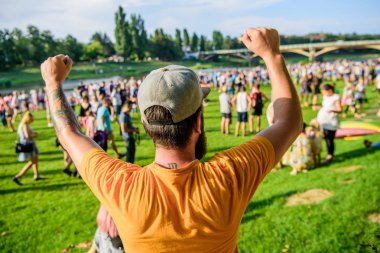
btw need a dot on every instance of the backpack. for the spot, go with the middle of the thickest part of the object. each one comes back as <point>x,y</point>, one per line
<point>258,98</point>
<point>100,137</point>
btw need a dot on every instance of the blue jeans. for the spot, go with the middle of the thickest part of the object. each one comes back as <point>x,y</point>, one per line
<point>131,149</point>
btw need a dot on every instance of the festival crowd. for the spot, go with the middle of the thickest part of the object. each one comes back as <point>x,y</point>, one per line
<point>97,105</point>
<point>101,103</point>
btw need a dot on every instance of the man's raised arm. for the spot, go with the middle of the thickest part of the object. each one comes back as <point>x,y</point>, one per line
<point>54,71</point>
<point>287,111</point>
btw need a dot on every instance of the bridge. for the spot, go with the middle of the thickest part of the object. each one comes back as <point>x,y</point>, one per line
<point>310,50</point>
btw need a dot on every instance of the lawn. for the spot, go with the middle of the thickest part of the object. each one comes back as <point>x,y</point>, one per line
<point>50,215</point>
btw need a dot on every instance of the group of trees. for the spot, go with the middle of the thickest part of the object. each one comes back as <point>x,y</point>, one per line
<point>131,41</point>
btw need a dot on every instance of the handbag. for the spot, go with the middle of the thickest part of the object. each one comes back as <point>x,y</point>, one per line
<point>27,148</point>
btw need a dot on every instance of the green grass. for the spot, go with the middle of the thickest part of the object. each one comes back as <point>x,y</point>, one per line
<point>49,215</point>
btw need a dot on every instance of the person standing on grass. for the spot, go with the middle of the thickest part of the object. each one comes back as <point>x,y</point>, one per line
<point>127,131</point>
<point>258,99</point>
<point>328,118</point>
<point>27,136</point>
<point>103,120</point>
<point>225,110</point>
<point>243,103</point>
<point>9,116</point>
<point>177,203</point>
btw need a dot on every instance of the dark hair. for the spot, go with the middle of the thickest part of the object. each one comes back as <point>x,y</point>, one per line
<point>328,87</point>
<point>170,135</point>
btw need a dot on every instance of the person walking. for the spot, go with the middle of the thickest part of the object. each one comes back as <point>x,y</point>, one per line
<point>27,137</point>
<point>178,203</point>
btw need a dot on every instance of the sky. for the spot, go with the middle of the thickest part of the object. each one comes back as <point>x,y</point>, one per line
<point>82,18</point>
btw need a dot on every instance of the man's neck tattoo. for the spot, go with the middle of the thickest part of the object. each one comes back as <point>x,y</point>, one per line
<point>172,165</point>
<point>61,112</point>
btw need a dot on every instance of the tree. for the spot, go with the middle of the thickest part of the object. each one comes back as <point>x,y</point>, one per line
<point>22,53</point>
<point>49,43</point>
<point>7,50</point>
<point>72,47</point>
<point>163,46</point>
<point>36,45</point>
<point>139,37</point>
<point>92,51</point>
<point>186,38</point>
<point>106,43</point>
<point>217,40</point>
<point>202,43</point>
<point>194,43</point>
<point>123,45</point>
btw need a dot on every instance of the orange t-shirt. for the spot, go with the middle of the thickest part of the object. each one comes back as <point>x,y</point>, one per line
<point>197,208</point>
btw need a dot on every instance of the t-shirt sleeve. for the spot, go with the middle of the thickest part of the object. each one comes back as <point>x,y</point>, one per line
<point>246,165</point>
<point>106,176</point>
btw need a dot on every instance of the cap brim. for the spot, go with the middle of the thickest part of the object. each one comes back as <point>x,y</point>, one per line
<point>205,90</point>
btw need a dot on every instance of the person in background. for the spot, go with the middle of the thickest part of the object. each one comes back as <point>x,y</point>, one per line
<point>103,120</point>
<point>315,136</point>
<point>41,99</point>
<point>15,104</point>
<point>9,116</point>
<point>360,96</point>
<point>258,99</point>
<point>106,237</point>
<point>301,155</point>
<point>348,100</point>
<point>116,100</point>
<point>2,111</point>
<point>85,106</point>
<point>225,110</point>
<point>243,103</point>
<point>370,144</point>
<point>90,125</point>
<point>95,103</point>
<point>27,136</point>
<point>67,161</point>
<point>328,118</point>
<point>127,131</point>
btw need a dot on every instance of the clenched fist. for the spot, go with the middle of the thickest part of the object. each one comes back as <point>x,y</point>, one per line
<point>55,70</point>
<point>264,42</point>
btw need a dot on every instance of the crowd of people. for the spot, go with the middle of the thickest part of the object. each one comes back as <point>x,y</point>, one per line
<point>99,104</point>
<point>318,91</point>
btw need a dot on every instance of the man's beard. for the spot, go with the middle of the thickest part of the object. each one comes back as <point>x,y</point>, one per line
<point>201,146</point>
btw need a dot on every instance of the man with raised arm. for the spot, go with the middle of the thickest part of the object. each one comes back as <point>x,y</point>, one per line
<point>177,203</point>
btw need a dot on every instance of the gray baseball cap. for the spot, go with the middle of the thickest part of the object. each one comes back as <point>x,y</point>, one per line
<point>173,87</point>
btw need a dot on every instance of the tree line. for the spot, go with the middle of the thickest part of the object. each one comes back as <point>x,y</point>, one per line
<point>132,43</point>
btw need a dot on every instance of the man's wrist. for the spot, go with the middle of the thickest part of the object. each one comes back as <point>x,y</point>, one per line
<point>53,85</point>
<point>273,57</point>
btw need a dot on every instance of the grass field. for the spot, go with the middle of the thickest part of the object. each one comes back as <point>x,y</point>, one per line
<point>50,215</point>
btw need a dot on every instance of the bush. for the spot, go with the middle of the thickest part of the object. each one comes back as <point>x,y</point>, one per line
<point>5,83</point>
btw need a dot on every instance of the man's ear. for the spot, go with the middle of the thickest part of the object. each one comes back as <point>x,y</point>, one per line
<point>198,126</point>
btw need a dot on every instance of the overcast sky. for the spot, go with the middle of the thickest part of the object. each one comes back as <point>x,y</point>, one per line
<point>81,18</point>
